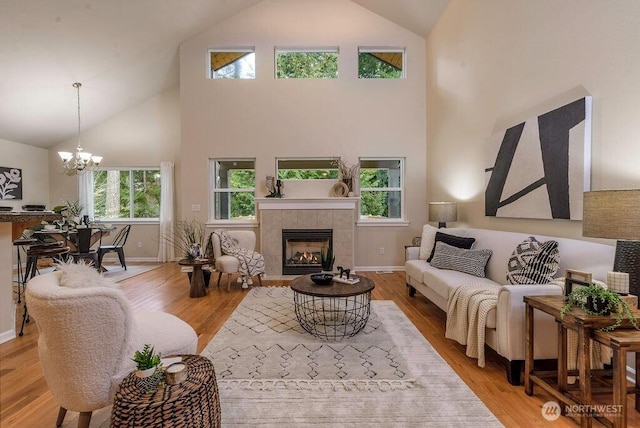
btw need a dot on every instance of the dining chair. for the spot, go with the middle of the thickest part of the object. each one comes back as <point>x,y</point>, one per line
<point>84,251</point>
<point>116,247</point>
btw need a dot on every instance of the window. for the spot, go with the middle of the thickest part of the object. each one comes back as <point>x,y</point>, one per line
<point>307,63</point>
<point>376,63</point>
<point>234,182</point>
<point>126,193</point>
<point>232,64</point>
<point>381,189</point>
<point>306,169</point>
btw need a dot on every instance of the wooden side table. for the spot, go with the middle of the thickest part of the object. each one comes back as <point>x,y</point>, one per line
<point>621,342</point>
<point>192,403</point>
<point>585,325</point>
<point>197,277</point>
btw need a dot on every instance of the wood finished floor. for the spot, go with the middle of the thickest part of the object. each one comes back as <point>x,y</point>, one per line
<point>26,402</point>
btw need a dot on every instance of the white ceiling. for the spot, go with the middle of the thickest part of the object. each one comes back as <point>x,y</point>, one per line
<point>122,51</point>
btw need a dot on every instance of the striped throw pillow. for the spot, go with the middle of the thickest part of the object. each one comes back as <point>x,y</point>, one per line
<point>533,262</point>
<point>448,257</point>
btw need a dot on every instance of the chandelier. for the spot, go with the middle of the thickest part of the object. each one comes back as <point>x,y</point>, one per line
<point>80,161</point>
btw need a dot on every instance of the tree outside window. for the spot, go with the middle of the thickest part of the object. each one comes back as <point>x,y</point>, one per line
<point>381,188</point>
<point>234,189</point>
<point>126,193</point>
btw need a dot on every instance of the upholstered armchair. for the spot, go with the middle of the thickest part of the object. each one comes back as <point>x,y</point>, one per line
<point>88,335</point>
<point>241,260</point>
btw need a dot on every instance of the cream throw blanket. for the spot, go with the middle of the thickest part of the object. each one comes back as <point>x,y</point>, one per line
<point>467,310</point>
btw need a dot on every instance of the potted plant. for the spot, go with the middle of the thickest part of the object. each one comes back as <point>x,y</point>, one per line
<point>327,259</point>
<point>347,172</point>
<point>187,237</point>
<point>148,370</point>
<point>597,300</point>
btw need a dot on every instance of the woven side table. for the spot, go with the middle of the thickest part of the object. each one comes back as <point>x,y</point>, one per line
<point>190,404</point>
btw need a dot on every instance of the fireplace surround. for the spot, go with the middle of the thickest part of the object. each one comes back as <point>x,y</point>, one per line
<point>336,214</point>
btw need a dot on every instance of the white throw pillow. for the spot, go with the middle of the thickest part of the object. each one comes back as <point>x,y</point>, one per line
<point>81,275</point>
<point>428,241</point>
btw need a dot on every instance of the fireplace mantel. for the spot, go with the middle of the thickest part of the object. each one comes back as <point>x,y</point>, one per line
<point>348,203</point>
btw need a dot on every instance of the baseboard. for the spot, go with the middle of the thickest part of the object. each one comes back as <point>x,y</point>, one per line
<point>8,335</point>
<point>114,259</point>
<point>379,268</point>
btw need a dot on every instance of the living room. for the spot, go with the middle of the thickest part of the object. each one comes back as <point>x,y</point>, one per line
<point>483,67</point>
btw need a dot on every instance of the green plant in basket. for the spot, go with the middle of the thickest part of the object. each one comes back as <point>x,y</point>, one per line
<point>597,300</point>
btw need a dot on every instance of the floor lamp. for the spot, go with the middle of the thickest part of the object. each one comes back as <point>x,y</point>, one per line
<point>615,214</point>
<point>442,212</point>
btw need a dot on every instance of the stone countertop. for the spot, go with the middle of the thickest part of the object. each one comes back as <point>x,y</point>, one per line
<point>28,216</point>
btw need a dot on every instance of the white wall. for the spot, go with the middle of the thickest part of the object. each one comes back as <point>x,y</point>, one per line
<point>267,118</point>
<point>35,172</point>
<point>142,136</point>
<point>493,63</point>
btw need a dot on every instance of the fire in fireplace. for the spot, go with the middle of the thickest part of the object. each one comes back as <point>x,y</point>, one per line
<point>301,249</point>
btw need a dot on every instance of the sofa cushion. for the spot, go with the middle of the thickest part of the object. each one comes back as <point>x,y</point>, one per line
<point>449,257</point>
<point>533,262</point>
<point>456,241</point>
<point>428,241</point>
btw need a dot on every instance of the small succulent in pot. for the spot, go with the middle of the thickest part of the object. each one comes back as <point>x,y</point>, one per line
<point>146,359</point>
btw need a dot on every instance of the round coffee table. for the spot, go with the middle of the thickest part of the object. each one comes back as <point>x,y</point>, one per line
<point>335,311</point>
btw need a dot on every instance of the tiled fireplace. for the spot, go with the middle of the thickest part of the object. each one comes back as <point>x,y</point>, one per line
<point>335,215</point>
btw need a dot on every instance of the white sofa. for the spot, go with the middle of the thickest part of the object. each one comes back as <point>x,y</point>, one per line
<point>505,331</point>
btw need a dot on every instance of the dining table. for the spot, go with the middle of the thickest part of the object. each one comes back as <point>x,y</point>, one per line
<point>70,235</point>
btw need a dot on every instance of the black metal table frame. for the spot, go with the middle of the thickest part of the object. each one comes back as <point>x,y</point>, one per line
<point>333,318</point>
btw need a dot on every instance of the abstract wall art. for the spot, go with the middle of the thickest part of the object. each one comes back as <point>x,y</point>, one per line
<point>10,183</point>
<point>541,167</point>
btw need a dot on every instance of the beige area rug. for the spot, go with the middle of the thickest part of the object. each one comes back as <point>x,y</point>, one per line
<point>115,271</point>
<point>271,373</point>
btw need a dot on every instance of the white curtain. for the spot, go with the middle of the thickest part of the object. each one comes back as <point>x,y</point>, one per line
<point>166,251</point>
<point>85,192</point>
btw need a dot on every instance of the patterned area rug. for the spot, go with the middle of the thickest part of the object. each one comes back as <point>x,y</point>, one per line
<point>272,373</point>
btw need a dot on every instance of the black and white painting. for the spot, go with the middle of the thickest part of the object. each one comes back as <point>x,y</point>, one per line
<point>10,183</point>
<point>541,167</point>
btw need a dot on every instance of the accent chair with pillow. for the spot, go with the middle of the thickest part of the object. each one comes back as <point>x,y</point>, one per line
<point>233,251</point>
<point>88,334</point>
<point>509,265</point>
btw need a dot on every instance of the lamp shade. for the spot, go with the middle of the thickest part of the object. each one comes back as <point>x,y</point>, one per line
<point>613,214</point>
<point>443,212</point>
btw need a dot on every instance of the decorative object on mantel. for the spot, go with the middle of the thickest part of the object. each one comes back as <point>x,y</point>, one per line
<point>80,161</point>
<point>614,214</point>
<point>597,300</point>
<point>540,167</point>
<point>442,212</point>
<point>271,186</point>
<point>618,282</point>
<point>339,190</point>
<point>347,173</point>
<point>10,183</point>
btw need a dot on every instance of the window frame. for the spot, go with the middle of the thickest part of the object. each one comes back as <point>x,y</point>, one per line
<point>368,221</point>
<point>306,49</point>
<point>214,189</point>
<point>129,219</point>
<point>211,51</point>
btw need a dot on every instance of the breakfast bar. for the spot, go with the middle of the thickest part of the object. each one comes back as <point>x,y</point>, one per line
<point>12,224</point>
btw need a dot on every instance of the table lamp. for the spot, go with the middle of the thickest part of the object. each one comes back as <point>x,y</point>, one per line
<point>615,214</point>
<point>442,212</point>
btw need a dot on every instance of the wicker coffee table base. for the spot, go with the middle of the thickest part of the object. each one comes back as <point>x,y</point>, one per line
<point>192,403</point>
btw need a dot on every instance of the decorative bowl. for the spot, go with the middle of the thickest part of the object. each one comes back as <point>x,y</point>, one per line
<point>322,278</point>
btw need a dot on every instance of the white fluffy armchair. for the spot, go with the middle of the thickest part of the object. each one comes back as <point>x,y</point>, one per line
<point>87,337</point>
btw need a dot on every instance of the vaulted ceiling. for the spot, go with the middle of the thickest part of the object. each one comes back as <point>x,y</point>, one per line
<point>122,51</point>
